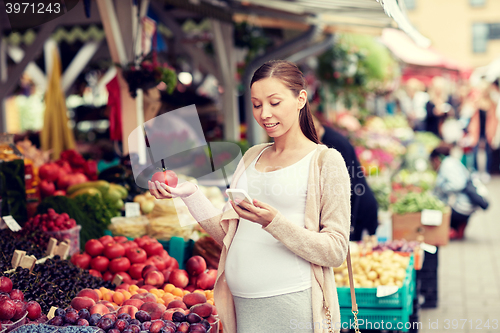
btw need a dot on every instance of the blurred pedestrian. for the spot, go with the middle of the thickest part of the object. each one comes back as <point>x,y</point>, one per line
<point>438,107</point>
<point>482,129</point>
<point>450,182</point>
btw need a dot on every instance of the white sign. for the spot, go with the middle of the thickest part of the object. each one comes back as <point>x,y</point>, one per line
<point>383,291</point>
<point>10,222</point>
<point>431,217</point>
<point>428,248</point>
<point>132,209</point>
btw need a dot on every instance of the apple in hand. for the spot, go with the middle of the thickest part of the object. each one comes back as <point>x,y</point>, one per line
<point>167,177</point>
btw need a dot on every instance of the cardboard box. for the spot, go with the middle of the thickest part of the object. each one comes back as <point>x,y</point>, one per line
<point>409,226</point>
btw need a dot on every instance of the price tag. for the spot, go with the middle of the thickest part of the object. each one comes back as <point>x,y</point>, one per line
<point>428,248</point>
<point>383,291</point>
<point>10,222</point>
<point>431,217</point>
<point>132,209</point>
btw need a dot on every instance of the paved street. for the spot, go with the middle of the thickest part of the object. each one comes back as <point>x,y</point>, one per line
<point>469,276</point>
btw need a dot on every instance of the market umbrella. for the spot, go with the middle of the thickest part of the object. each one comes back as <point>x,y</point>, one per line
<point>56,135</point>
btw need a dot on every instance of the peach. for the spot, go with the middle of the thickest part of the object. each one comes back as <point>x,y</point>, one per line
<point>196,265</point>
<point>124,286</point>
<point>79,303</point>
<point>134,302</point>
<point>166,274</point>
<point>206,280</point>
<point>147,269</point>
<point>193,299</point>
<point>130,309</point>
<point>156,326</point>
<point>154,309</point>
<point>148,287</point>
<point>177,304</point>
<point>190,288</point>
<point>90,293</point>
<point>145,297</point>
<point>100,309</point>
<point>179,278</point>
<point>203,310</point>
<point>154,278</point>
<point>212,319</point>
<point>107,304</point>
<point>167,315</point>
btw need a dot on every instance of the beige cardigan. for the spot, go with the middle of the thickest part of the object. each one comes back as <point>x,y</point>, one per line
<point>323,242</point>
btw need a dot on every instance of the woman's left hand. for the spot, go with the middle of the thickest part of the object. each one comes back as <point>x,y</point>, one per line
<point>260,212</point>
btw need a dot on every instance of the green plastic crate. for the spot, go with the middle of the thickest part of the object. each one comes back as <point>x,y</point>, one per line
<point>367,297</point>
<point>378,319</point>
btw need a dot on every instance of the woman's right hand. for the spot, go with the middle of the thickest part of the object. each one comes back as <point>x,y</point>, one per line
<point>163,191</point>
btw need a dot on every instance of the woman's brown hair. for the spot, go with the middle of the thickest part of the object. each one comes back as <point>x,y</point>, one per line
<point>292,77</point>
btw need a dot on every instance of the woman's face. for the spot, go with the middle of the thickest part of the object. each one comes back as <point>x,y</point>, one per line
<point>275,107</point>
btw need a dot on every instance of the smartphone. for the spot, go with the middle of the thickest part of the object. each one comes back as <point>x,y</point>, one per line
<point>237,195</point>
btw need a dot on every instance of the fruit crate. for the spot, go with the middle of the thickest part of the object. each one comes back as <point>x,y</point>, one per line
<point>367,297</point>
<point>379,319</point>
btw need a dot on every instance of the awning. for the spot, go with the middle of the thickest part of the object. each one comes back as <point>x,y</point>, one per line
<point>410,53</point>
<point>345,13</point>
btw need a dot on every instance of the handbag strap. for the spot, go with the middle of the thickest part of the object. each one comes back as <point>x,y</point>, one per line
<point>351,282</point>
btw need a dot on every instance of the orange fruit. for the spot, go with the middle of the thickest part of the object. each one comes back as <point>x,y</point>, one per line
<point>99,293</point>
<point>118,298</point>
<point>108,296</point>
<point>126,294</point>
<point>133,288</point>
<point>142,291</point>
<point>168,288</point>
<point>178,292</point>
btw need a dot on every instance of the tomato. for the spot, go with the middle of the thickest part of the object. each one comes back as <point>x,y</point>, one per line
<point>136,255</point>
<point>119,265</point>
<point>158,261</point>
<point>81,260</point>
<point>94,248</point>
<point>129,245</point>
<point>174,264</point>
<point>143,240</point>
<point>106,239</point>
<point>99,263</point>
<point>95,273</point>
<point>135,270</point>
<point>153,248</point>
<point>124,275</point>
<point>108,276</point>
<point>168,177</point>
<point>164,254</point>
<point>114,250</point>
<point>120,239</point>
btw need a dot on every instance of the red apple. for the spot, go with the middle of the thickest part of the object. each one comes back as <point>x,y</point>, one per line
<point>167,177</point>
<point>49,172</point>
<point>47,188</point>
<point>154,278</point>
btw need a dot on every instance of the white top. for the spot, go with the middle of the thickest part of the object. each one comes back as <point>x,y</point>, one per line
<point>257,264</point>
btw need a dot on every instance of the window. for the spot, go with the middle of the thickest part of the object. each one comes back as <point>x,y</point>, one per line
<point>494,31</point>
<point>480,32</point>
<point>410,4</point>
<point>477,3</point>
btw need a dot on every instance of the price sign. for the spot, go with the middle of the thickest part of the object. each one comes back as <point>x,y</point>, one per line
<point>383,291</point>
<point>10,223</point>
<point>428,248</point>
<point>431,217</point>
<point>132,209</point>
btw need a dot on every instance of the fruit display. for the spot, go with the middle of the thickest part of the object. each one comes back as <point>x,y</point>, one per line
<point>109,192</point>
<point>14,306</point>
<point>414,202</point>
<point>424,180</point>
<point>51,221</point>
<point>70,169</point>
<point>170,218</point>
<point>209,249</point>
<point>53,283</point>
<point>386,268</point>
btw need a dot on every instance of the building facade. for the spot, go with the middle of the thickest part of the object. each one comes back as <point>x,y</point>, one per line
<point>467,31</point>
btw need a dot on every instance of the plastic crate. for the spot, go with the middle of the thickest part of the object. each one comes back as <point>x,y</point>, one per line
<point>367,297</point>
<point>378,319</point>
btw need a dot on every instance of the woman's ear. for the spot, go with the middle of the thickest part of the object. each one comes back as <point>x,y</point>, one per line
<point>302,99</point>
